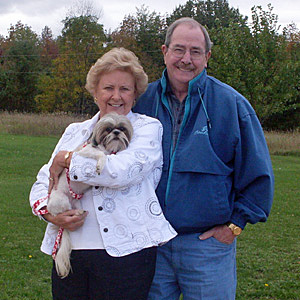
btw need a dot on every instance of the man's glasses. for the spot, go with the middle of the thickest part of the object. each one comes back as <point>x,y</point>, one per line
<point>194,53</point>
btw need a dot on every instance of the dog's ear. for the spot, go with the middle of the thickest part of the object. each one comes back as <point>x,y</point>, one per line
<point>93,141</point>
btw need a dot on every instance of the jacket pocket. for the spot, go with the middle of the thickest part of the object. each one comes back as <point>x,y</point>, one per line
<point>201,200</point>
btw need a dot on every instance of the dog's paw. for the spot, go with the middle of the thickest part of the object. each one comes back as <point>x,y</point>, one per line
<point>80,212</point>
<point>95,153</point>
<point>101,160</point>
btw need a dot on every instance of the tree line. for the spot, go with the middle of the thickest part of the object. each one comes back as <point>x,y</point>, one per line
<point>257,58</point>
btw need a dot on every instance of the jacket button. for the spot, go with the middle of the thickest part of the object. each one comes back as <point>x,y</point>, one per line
<point>105,229</point>
<point>75,177</point>
<point>100,208</point>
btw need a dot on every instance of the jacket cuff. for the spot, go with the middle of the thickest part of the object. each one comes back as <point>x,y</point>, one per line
<point>238,220</point>
<point>37,207</point>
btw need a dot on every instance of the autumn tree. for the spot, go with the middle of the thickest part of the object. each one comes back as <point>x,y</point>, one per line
<point>49,48</point>
<point>284,112</point>
<point>143,33</point>
<point>292,35</point>
<point>82,41</point>
<point>259,59</point>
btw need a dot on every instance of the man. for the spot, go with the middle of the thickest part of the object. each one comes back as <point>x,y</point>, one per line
<point>217,174</point>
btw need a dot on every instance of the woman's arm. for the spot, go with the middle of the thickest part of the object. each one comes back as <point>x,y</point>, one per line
<point>39,193</point>
<point>141,159</point>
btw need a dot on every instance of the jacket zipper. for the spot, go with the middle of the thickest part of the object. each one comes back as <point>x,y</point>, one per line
<point>172,153</point>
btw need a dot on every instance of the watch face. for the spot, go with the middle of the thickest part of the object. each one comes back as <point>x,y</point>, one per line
<point>237,231</point>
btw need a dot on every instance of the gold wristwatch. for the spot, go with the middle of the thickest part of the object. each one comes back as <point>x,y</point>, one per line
<point>236,230</point>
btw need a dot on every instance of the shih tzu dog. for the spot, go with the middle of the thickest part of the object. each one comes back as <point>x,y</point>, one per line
<point>111,134</point>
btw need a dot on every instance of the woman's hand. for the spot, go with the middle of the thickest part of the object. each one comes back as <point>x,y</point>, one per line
<point>58,165</point>
<point>70,220</point>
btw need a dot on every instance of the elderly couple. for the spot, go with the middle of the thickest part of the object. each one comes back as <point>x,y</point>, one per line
<point>201,172</point>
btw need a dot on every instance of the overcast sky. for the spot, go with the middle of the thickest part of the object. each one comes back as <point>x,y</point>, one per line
<point>39,13</point>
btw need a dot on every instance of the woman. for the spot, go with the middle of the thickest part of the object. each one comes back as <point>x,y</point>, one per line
<point>121,206</point>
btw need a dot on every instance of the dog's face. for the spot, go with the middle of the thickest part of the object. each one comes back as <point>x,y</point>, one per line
<point>113,132</point>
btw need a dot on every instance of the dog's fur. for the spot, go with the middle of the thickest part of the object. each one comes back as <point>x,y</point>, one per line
<point>111,134</point>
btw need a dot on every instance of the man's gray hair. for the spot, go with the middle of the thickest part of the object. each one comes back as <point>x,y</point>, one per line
<point>192,23</point>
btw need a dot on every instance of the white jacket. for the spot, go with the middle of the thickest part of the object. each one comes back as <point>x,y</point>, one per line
<point>124,213</point>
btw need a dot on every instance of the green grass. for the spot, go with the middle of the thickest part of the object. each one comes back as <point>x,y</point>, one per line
<point>24,269</point>
<point>269,253</point>
<point>268,256</point>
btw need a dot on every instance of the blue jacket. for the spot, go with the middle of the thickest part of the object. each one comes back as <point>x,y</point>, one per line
<point>220,169</point>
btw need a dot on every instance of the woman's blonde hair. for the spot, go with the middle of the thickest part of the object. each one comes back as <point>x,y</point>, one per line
<point>117,59</point>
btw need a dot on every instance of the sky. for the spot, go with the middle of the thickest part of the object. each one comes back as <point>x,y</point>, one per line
<point>40,13</point>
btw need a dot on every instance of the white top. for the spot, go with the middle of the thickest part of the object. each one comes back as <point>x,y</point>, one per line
<point>124,213</point>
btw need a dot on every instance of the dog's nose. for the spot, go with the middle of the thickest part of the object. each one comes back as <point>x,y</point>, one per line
<point>116,132</point>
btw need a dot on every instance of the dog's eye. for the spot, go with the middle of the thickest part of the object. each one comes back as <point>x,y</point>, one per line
<point>122,128</point>
<point>108,129</point>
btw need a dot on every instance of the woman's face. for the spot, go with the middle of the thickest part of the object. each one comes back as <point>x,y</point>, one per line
<point>115,92</point>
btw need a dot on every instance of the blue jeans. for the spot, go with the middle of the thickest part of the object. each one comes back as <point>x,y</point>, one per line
<point>200,270</point>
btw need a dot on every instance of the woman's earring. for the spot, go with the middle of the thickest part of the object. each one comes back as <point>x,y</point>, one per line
<point>96,100</point>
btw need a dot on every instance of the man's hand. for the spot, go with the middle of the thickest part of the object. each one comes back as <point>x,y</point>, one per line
<point>222,233</point>
<point>70,220</point>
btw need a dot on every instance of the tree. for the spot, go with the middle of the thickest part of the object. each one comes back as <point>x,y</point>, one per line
<point>143,33</point>
<point>20,69</point>
<point>232,57</point>
<point>288,116</point>
<point>49,48</point>
<point>275,93</point>
<point>80,44</point>
<point>255,61</point>
<point>292,35</point>
<point>209,13</point>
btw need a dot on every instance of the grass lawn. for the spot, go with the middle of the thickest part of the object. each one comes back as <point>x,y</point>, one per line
<point>24,269</point>
<point>268,254</point>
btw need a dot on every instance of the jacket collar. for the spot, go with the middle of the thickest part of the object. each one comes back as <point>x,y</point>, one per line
<point>194,84</point>
<point>88,125</point>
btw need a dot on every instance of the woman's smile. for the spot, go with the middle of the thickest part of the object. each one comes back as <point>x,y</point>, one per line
<point>116,92</point>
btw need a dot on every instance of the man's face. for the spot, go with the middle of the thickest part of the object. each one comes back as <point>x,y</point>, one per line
<point>188,42</point>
